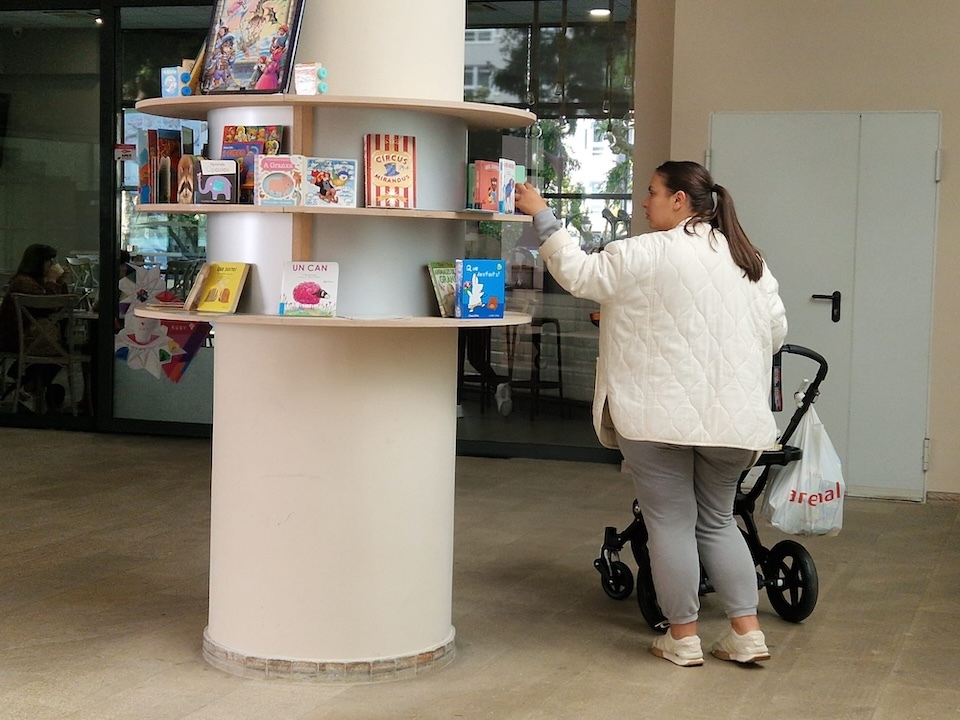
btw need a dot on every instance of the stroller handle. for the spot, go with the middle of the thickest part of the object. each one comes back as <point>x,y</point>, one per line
<point>813,389</point>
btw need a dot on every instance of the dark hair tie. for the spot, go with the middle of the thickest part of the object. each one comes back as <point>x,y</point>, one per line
<point>715,188</point>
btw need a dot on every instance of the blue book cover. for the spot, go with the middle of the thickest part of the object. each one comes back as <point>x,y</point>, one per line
<point>480,288</point>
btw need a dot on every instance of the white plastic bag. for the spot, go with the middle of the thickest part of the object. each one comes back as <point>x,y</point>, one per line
<point>806,497</point>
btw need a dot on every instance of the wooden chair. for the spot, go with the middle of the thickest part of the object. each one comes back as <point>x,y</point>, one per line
<point>44,327</point>
<point>85,280</point>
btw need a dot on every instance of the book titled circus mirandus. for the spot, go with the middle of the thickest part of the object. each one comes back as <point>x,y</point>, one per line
<point>309,288</point>
<point>390,169</point>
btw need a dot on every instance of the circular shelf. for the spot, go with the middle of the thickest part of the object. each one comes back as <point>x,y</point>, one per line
<point>159,313</point>
<point>205,208</point>
<point>478,116</point>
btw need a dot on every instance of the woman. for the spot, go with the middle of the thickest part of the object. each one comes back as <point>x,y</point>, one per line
<point>691,317</point>
<point>39,273</point>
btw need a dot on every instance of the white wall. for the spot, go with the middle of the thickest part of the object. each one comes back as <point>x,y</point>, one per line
<point>822,55</point>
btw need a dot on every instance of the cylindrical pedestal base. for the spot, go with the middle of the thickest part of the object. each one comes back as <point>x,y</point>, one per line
<point>331,541</point>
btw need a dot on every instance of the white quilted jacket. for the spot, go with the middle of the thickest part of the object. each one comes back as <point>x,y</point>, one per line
<point>686,340</point>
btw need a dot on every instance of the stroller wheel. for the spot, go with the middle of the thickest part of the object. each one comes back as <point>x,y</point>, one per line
<point>620,583</point>
<point>791,580</point>
<point>646,592</point>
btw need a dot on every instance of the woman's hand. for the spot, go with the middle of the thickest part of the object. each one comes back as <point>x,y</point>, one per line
<point>528,200</point>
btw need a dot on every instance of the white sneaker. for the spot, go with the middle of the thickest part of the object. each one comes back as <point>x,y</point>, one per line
<point>685,652</point>
<point>504,401</point>
<point>748,648</point>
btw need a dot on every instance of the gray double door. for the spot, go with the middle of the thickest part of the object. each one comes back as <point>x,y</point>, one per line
<point>846,203</point>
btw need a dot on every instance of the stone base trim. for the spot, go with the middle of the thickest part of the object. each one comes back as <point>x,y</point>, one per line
<point>354,671</point>
<point>944,497</point>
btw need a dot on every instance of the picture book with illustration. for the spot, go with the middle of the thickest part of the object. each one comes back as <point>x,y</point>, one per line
<point>330,182</point>
<point>278,179</point>
<point>309,289</point>
<point>443,278</point>
<point>480,289</point>
<point>390,170</point>
<point>217,287</point>
<point>486,194</point>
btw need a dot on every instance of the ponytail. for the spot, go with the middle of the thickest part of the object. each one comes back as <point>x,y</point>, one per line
<point>694,180</point>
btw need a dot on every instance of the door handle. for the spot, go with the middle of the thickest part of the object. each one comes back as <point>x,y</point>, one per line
<point>834,297</point>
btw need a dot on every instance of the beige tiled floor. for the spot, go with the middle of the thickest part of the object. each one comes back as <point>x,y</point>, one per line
<point>103,581</point>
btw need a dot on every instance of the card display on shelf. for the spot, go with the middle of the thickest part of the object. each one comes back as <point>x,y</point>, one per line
<point>390,170</point>
<point>278,179</point>
<point>218,181</point>
<point>480,288</point>
<point>309,289</point>
<point>187,170</point>
<point>443,278</point>
<point>330,182</point>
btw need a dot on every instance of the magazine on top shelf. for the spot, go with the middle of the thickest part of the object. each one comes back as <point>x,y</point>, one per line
<point>309,289</point>
<point>330,182</point>
<point>444,280</point>
<point>390,170</point>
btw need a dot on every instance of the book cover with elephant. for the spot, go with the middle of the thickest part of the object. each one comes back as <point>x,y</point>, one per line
<point>278,179</point>
<point>309,289</point>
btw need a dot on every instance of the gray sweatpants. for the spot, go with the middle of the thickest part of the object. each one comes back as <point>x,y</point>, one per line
<point>686,496</point>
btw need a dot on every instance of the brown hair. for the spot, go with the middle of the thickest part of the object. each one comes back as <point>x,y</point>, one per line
<point>694,180</point>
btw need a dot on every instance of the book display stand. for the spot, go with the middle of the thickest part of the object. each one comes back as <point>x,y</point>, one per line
<point>334,439</point>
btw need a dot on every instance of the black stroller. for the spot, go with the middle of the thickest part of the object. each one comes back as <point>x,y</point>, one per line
<point>786,570</point>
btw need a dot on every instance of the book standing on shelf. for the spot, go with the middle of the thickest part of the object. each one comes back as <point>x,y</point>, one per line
<point>217,287</point>
<point>278,179</point>
<point>309,289</point>
<point>330,182</point>
<point>218,181</point>
<point>480,288</point>
<point>147,160</point>
<point>390,168</point>
<point>443,277</point>
<point>270,137</point>
<point>168,155</point>
<point>187,170</point>
<point>505,196</point>
<point>486,185</point>
<point>245,153</point>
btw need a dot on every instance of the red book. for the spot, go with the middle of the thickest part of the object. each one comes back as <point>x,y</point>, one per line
<point>486,185</point>
<point>390,165</point>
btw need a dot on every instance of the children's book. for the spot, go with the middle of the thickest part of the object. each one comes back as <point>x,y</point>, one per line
<point>330,182</point>
<point>217,287</point>
<point>486,185</point>
<point>443,277</point>
<point>277,179</point>
<point>480,288</point>
<point>245,153</point>
<point>168,154</point>
<point>309,289</point>
<point>218,181</point>
<point>269,136</point>
<point>508,181</point>
<point>187,170</point>
<point>147,152</point>
<point>390,166</point>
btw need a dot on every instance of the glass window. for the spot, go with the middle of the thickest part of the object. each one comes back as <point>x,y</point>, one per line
<point>576,76</point>
<point>50,195</point>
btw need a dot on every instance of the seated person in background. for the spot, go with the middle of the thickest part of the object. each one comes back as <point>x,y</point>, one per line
<point>39,273</point>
